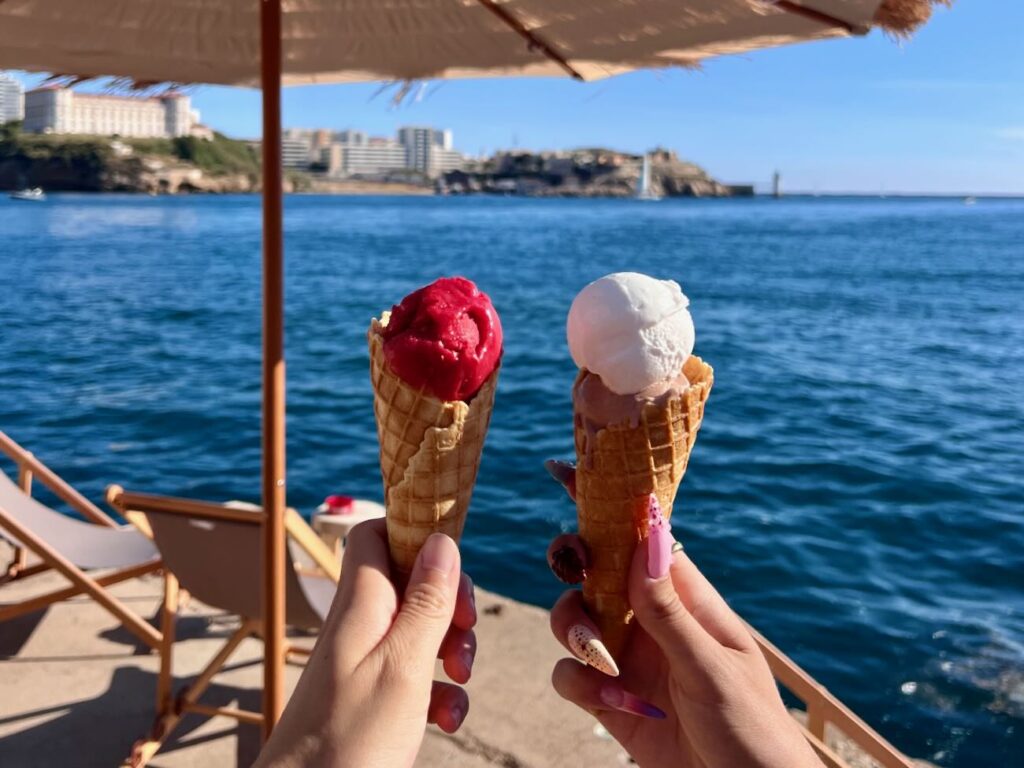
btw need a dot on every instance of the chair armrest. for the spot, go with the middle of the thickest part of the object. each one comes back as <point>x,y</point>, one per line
<point>27,462</point>
<point>127,502</point>
<point>134,506</point>
<point>313,545</point>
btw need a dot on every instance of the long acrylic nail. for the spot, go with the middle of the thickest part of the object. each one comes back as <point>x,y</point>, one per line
<point>565,473</point>
<point>616,698</point>
<point>584,642</point>
<point>659,541</point>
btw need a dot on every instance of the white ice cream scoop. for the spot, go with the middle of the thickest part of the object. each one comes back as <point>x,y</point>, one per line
<point>632,330</point>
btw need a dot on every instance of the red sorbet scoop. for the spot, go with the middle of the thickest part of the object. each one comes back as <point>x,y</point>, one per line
<point>444,338</point>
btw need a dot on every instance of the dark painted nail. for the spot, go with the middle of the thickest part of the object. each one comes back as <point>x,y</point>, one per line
<point>565,473</point>
<point>568,559</point>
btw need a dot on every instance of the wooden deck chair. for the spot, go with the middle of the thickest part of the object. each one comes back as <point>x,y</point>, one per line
<point>74,548</point>
<point>214,552</point>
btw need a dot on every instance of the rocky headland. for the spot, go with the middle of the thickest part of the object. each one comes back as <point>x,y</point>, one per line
<point>594,172</point>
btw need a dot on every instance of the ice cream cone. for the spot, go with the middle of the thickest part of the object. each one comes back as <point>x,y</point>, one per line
<point>617,469</point>
<point>429,454</point>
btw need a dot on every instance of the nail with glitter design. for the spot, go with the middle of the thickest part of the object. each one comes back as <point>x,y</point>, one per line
<point>614,697</point>
<point>659,541</point>
<point>584,642</point>
<point>565,473</point>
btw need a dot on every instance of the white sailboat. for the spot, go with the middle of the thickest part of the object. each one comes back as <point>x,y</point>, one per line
<point>643,188</point>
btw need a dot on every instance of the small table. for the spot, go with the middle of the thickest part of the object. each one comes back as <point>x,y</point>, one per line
<point>334,529</point>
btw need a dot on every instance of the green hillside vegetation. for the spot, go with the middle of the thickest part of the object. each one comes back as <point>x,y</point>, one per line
<point>83,154</point>
<point>217,157</point>
<point>221,155</point>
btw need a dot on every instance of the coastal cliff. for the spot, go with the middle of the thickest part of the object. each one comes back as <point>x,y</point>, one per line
<point>586,173</point>
<point>103,164</point>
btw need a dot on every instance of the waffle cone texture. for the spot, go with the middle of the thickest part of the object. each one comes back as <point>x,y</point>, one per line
<point>429,454</point>
<point>616,471</point>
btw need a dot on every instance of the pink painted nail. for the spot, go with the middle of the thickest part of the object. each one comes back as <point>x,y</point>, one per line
<point>616,698</point>
<point>659,541</point>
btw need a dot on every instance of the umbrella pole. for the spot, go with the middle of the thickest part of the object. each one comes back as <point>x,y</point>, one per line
<point>273,368</point>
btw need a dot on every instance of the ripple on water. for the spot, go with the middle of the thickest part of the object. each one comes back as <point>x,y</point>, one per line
<point>856,490</point>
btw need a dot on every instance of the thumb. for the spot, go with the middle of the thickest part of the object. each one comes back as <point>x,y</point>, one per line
<point>427,608</point>
<point>656,603</point>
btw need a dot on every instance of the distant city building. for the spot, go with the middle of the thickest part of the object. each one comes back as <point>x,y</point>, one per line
<point>12,99</point>
<point>374,157</point>
<point>354,153</point>
<point>428,150</point>
<point>332,159</point>
<point>354,138</point>
<point>296,151</point>
<point>53,109</point>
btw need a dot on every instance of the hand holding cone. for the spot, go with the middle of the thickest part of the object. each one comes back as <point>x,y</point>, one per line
<point>638,403</point>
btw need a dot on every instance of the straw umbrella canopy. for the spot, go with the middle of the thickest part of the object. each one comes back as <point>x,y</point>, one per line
<point>267,43</point>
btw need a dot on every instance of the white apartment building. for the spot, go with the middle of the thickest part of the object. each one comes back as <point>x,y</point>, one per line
<point>354,153</point>
<point>428,150</point>
<point>52,109</point>
<point>374,157</point>
<point>12,99</point>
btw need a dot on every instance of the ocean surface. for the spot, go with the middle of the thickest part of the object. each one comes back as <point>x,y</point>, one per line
<point>856,491</point>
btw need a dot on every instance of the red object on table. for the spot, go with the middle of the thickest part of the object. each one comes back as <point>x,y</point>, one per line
<point>340,505</point>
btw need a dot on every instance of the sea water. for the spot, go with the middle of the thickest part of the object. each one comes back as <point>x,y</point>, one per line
<point>856,489</point>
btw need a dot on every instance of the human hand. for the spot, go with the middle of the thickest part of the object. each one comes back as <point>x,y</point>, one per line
<point>368,690</point>
<point>693,687</point>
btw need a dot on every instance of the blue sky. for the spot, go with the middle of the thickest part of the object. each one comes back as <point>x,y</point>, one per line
<point>943,112</point>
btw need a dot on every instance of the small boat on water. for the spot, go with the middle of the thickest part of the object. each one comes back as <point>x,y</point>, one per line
<point>643,189</point>
<point>970,200</point>
<point>33,194</point>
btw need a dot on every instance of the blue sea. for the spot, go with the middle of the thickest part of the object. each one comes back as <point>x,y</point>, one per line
<point>856,491</point>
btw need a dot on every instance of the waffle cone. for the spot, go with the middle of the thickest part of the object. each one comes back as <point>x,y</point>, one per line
<point>429,455</point>
<point>615,474</point>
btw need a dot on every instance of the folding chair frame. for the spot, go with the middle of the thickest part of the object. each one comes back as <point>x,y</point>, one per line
<point>171,708</point>
<point>82,583</point>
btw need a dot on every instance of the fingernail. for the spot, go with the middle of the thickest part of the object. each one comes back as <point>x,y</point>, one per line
<point>564,472</point>
<point>568,559</point>
<point>659,541</point>
<point>588,647</point>
<point>457,714</point>
<point>615,697</point>
<point>466,657</point>
<point>438,553</point>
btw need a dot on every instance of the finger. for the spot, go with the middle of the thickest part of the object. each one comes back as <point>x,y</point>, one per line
<point>574,629</point>
<point>707,606</point>
<point>594,692</point>
<point>365,604</point>
<point>657,607</point>
<point>425,613</point>
<point>449,705</point>
<point>565,473</point>
<point>465,604</point>
<point>458,651</point>
<point>568,558</point>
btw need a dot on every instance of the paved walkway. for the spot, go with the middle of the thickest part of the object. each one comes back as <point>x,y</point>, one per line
<point>78,690</point>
